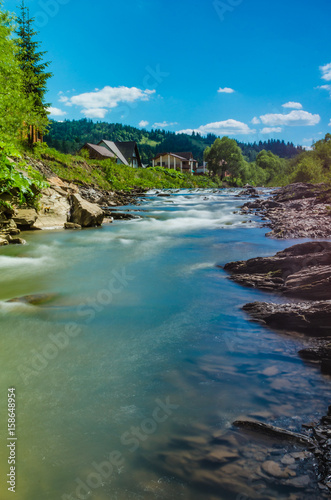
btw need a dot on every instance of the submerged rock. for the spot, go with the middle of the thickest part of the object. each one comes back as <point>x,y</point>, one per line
<point>35,299</point>
<point>71,225</point>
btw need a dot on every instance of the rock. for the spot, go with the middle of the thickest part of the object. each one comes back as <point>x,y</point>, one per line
<point>299,191</point>
<point>221,455</point>
<point>311,318</point>
<point>302,271</point>
<point>71,225</point>
<point>274,469</point>
<point>3,241</point>
<point>16,241</point>
<point>36,299</point>
<point>326,366</point>
<point>84,213</point>
<point>297,211</point>
<point>288,460</point>
<point>54,210</point>
<point>249,191</point>
<point>271,371</point>
<point>25,217</point>
<point>274,432</point>
<point>299,482</point>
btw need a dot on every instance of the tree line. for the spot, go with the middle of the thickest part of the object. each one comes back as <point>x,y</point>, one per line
<point>225,159</point>
<point>69,136</point>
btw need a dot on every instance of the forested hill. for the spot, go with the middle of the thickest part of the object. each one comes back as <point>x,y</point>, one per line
<point>70,135</point>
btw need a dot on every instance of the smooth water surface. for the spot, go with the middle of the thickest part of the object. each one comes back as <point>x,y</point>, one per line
<point>138,358</point>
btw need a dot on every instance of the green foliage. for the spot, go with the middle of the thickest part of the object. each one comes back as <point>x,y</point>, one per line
<point>25,188</point>
<point>15,106</point>
<point>226,156</point>
<point>271,164</point>
<point>122,177</point>
<point>33,69</point>
<point>107,174</point>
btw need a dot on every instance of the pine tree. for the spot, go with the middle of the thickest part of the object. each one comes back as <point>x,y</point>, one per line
<point>15,107</point>
<point>34,69</point>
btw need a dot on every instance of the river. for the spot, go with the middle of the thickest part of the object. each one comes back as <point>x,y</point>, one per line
<point>130,371</point>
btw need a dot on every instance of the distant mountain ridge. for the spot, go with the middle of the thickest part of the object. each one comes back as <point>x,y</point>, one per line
<point>70,135</point>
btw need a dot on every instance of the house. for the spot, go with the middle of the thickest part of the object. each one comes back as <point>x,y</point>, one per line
<point>202,169</point>
<point>125,153</point>
<point>184,162</point>
<point>97,152</point>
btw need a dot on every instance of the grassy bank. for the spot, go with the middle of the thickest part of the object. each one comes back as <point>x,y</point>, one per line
<point>106,174</point>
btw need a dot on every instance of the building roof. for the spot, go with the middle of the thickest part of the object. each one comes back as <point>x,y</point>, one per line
<point>111,146</point>
<point>129,149</point>
<point>177,155</point>
<point>188,155</point>
<point>99,149</point>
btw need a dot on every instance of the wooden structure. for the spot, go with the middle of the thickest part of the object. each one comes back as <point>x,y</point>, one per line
<point>184,162</point>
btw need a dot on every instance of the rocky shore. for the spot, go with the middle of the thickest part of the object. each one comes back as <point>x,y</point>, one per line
<point>302,275</point>
<point>61,205</point>
<point>295,211</point>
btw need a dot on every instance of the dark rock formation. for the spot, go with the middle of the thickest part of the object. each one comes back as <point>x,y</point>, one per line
<point>249,191</point>
<point>312,318</point>
<point>303,271</point>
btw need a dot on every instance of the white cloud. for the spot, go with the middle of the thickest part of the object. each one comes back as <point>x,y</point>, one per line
<point>64,99</point>
<point>227,127</point>
<point>326,72</point>
<point>271,130</point>
<point>95,112</point>
<point>143,123</point>
<point>226,90</point>
<point>307,148</point>
<point>106,98</point>
<point>292,105</point>
<point>56,111</point>
<point>294,118</point>
<point>325,87</point>
<point>308,140</point>
<point>255,120</point>
<point>330,124</point>
<point>164,124</point>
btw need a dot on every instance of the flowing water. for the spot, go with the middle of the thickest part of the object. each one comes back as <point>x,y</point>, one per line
<point>136,360</point>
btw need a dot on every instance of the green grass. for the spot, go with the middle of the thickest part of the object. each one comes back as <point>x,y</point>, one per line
<point>108,175</point>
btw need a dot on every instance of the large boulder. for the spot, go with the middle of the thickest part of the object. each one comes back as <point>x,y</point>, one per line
<point>55,209</point>
<point>25,217</point>
<point>84,213</point>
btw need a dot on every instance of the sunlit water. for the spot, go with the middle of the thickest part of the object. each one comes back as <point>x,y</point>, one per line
<point>130,374</point>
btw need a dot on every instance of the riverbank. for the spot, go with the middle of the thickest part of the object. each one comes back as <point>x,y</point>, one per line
<point>301,273</point>
<point>72,192</point>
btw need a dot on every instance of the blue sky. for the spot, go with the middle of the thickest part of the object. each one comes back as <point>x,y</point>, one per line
<point>224,66</point>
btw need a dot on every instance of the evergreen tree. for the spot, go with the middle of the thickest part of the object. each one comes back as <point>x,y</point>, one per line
<point>14,105</point>
<point>34,69</point>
